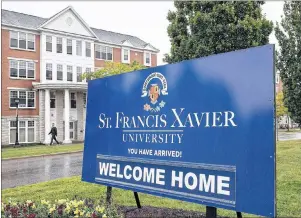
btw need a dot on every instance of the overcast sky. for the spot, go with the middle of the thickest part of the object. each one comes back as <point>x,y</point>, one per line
<point>144,19</point>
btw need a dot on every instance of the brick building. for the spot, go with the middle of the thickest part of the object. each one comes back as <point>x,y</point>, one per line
<point>42,63</point>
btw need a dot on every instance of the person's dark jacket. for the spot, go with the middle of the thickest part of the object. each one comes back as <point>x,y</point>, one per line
<point>53,131</point>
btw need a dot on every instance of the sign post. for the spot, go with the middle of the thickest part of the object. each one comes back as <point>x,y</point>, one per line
<point>200,131</point>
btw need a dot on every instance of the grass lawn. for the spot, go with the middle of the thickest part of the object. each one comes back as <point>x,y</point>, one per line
<point>288,188</point>
<point>39,150</point>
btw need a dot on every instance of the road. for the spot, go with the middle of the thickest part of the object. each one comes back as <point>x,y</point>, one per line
<point>39,169</point>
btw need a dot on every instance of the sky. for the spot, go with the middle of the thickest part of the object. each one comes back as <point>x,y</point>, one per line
<point>144,19</point>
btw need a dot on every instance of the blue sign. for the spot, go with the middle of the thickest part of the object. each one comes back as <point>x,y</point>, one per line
<point>200,130</point>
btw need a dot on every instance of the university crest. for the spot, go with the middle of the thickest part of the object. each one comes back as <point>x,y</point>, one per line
<point>154,87</point>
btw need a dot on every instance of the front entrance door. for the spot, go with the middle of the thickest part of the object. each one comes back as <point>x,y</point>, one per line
<point>71,129</point>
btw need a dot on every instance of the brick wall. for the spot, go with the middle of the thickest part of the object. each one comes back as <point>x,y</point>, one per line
<point>134,56</point>
<point>154,60</point>
<point>137,56</point>
<point>7,82</point>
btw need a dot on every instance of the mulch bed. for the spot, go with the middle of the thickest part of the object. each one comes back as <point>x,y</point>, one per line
<point>147,211</point>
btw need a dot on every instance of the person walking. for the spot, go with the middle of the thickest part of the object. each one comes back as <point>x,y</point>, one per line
<point>53,133</point>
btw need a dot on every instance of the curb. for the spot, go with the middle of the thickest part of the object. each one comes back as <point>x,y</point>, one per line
<point>42,155</point>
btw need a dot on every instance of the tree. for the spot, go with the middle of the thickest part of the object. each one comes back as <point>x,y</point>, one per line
<point>281,110</point>
<point>202,28</point>
<point>288,34</point>
<point>113,68</point>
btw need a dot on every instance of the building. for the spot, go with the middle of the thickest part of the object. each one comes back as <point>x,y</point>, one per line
<point>42,63</point>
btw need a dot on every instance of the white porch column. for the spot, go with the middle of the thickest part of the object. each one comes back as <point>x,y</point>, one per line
<point>47,116</point>
<point>67,110</point>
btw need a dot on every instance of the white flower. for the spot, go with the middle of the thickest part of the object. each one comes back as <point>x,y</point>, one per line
<point>162,104</point>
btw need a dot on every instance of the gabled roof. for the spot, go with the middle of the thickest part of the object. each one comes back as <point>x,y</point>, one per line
<point>16,19</point>
<point>76,14</point>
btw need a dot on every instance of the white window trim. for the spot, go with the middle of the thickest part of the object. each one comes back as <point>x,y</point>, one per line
<point>52,72</point>
<point>85,70</point>
<point>57,71</point>
<point>81,50</point>
<point>91,51</point>
<point>51,43</point>
<point>75,96</point>
<point>72,73</point>
<point>26,60</point>
<point>80,73</point>
<point>72,52</point>
<point>150,58</point>
<point>23,49</point>
<point>24,90</point>
<point>22,59</point>
<point>26,131</point>
<point>106,52</point>
<point>129,56</point>
<point>56,43</point>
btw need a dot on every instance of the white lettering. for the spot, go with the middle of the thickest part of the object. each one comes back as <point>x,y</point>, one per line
<point>221,184</point>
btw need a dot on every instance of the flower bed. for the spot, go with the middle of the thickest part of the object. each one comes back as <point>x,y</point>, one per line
<point>60,208</point>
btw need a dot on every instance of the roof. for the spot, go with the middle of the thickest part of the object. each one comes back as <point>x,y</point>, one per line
<point>11,18</point>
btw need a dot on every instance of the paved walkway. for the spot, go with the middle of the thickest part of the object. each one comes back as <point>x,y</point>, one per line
<point>284,136</point>
<point>39,169</point>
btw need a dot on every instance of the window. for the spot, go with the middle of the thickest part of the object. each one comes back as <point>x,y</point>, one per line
<point>26,129</point>
<point>69,73</point>
<point>125,56</point>
<point>73,100</point>
<point>30,41</point>
<point>22,131</point>
<point>49,43</point>
<point>30,69</point>
<point>79,48</point>
<point>22,40</point>
<point>13,39</point>
<point>79,74</point>
<point>30,99</point>
<point>59,72</point>
<point>30,131</point>
<point>88,71</point>
<point>104,53</point>
<point>49,71</point>
<point>59,45</point>
<point>21,69</point>
<point>13,66</point>
<point>109,53</point>
<point>97,51</point>
<point>88,49</point>
<point>27,98</point>
<point>52,99</point>
<point>85,99</point>
<point>147,58</point>
<point>69,46</point>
